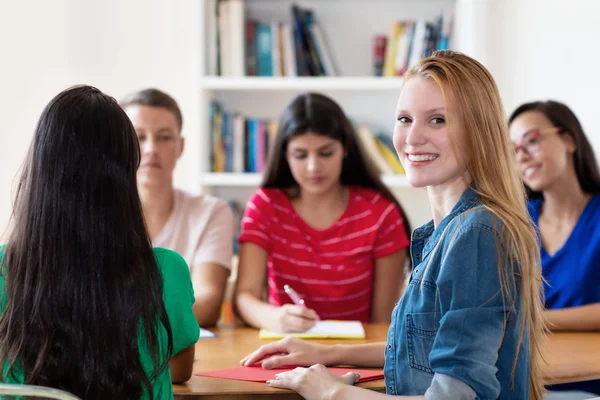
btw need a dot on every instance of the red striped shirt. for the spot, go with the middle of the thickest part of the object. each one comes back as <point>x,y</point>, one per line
<point>331,269</point>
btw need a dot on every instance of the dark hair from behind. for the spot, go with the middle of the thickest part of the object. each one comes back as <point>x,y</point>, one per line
<point>316,113</point>
<point>154,98</point>
<point>586,167</point>
<point>80,281</point>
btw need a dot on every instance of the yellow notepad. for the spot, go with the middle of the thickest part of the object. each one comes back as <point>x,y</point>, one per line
<point>329,329</point>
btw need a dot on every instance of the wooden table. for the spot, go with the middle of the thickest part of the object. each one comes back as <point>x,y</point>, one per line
<point>571,357</point>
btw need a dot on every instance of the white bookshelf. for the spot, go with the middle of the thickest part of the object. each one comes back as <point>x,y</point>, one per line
<point>349,27</point>
<point>301,84</point>
<point>253,180</point>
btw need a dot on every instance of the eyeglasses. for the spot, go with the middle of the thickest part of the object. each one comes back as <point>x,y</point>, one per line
<point>531,141</point>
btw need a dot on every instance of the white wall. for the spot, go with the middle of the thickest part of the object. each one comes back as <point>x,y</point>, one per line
<point>535,48</point>
<point>539,50</point>
<point>118,46</point>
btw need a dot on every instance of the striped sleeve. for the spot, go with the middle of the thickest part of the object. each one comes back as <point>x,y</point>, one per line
<point>257,219</point>
<point>391,235</point>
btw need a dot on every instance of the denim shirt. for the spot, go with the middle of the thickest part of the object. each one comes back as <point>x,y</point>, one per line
<point>450,320</point>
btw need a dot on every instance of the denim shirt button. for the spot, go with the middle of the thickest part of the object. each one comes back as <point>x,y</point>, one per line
<point>418,255</point>
<point>416,270</point>
<point>389,346</point>
<point>391,389</point>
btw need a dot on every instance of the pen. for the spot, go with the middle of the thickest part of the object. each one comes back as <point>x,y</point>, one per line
<point>293,295</point>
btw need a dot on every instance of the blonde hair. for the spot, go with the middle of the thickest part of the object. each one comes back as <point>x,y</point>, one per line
<point>488,160</point>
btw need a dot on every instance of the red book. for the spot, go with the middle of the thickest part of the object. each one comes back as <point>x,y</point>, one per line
<point>379,54</point>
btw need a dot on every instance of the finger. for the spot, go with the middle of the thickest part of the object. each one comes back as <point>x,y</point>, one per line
<point>300,324</point>
<point>286,380</point>
<point>351,378</point>
<point>279,361</point>
<point>293,323</point>
<point>264,351</point>
<point>302,312</point>
<point>281,383</point>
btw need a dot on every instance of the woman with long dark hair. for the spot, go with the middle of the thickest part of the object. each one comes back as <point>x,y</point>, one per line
<point>560,172</point>
<point>323,226</point>
<point>87,305</point>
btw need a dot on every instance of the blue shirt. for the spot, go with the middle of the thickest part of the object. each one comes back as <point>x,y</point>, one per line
<point>450,320</point>
<point>572,274</point>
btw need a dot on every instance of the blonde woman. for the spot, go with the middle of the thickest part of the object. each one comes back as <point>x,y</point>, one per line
<point>470,322</point>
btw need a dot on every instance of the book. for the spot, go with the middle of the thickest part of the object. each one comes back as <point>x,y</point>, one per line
<point>238,143</point>
<point>236,39</point>
<point>212,35</point>
<point>304,65</point>
<point>264,50</point>
<point>371,152</point>
<point>289,51</point>
<point>216,118</point>
<point>322,49</point>
<point>395,31</point>
<point>224,39</point>
<point>276,49</point>
<point>390,156</point>
<point>251,62</point>
<point>328,329</point>
<point>379,54</point>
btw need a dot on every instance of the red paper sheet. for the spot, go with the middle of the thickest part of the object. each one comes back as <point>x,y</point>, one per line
<point>258,374</point>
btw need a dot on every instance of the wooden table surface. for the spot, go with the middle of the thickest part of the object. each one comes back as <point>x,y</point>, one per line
<point>571,357</point>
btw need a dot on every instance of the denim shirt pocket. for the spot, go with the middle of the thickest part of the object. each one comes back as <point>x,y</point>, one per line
<point>421,330</point>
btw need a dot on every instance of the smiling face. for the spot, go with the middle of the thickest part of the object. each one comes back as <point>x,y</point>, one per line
<point>544,155</point>
<point>421,135</point>
<point>160,144</point>
<point>315,162</point>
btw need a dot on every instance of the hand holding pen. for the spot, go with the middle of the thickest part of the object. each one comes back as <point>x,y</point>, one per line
<point>295,317</point>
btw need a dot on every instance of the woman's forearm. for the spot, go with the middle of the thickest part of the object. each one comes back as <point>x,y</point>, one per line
<point>583,318</point>
<point>255,312</point>
<point>360,355</point>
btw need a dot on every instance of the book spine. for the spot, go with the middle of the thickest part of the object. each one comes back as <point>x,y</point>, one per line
<point>303,63</point>
<point>264,48</point>
<point>238,143</point>
<point>379,54</point>
<point>251,48</point>
<point>324,53</point>
<point>236,37</point>
<point>289,51</point>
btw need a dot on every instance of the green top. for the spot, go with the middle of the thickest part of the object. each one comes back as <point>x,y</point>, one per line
<point>178,297</point>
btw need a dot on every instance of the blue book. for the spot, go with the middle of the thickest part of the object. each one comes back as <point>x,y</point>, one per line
<point>227,137</point>
<point>252,140</point>
<point>264,50</point>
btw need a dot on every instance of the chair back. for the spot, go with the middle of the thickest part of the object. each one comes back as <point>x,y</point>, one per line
<point>39,392</point>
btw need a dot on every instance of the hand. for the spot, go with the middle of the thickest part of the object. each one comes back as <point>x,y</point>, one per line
<point>294,318</point>
<point>289,351</point>
<point>314,383</point>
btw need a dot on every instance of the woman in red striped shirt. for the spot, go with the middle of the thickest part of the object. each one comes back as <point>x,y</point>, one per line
<point>322,223</point>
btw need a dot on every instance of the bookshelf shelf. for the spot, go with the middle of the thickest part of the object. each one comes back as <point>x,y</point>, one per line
<point>349,29</point>
<point>304,84</point>
<point>253,180</point>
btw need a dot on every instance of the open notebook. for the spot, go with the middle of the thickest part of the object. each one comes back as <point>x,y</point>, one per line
<point>328,329</point>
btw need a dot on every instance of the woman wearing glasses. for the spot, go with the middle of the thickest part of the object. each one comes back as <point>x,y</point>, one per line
<point>561,175</point>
